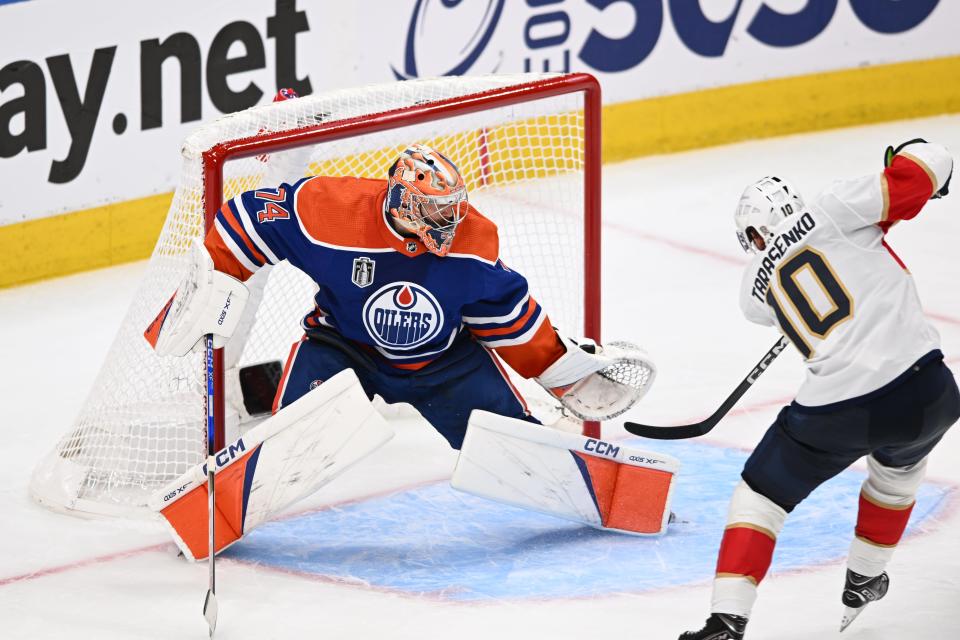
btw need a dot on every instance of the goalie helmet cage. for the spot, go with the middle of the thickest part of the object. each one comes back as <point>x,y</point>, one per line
<point>528,146</point>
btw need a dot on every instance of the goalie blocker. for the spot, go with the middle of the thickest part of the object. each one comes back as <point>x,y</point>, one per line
<point>605,485</point>
<point>206,302</point>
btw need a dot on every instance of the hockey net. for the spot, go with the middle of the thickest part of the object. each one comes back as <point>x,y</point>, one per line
<point>528,147</point>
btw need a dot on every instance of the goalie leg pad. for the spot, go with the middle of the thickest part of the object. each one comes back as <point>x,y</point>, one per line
<point>283,459</point>
<point>604,485</point>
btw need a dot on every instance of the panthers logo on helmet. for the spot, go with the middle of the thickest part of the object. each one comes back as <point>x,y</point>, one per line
<point>402,315</point>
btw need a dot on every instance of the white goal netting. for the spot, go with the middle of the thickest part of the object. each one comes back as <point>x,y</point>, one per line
<point>143,423</point>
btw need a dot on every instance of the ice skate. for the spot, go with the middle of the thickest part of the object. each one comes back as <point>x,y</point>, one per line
<point>719,626</point>
<point>858,592</point>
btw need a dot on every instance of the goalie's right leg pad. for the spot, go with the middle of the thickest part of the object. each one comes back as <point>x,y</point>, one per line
<point>287,457</point>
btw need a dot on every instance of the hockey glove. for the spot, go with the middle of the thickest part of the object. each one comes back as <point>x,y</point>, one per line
<point>945,189</point>
<point>599,383</point>
<point>889,154</point>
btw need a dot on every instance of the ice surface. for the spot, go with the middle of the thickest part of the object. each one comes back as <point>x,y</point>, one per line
<point>436,542</point>
<point>389,551</point>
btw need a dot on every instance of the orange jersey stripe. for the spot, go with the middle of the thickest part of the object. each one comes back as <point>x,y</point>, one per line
<point>286,373</point>
<point>506,377</point>
<point>532,358</point>
<point>416,366</point>
<point>477,235</point>
<point>238,229</point>
<point>223,259</point>
<point>499,331</point>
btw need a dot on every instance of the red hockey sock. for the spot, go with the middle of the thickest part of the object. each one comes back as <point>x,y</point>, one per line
<point>881,524</point>
<point>746,550</point>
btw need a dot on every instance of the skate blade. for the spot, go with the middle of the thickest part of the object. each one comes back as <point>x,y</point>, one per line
<point>849,615</point>
<point>210,611</point>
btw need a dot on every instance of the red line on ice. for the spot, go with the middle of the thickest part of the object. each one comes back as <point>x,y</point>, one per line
<point>120,555</point>
<point>129,553</point>
<point>674,244</point>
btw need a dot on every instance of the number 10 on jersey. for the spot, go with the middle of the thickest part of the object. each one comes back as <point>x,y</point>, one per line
<point>808,271</point>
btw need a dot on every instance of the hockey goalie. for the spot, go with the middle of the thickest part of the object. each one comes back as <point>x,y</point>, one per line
<point>414,304</point>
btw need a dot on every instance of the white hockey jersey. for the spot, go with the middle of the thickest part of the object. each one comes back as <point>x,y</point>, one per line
<point>834,287</point>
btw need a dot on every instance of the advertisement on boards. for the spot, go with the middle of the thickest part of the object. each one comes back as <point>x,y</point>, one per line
<point>96,115</point>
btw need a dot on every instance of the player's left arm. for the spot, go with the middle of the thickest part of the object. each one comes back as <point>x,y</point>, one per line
<point>914,173</point>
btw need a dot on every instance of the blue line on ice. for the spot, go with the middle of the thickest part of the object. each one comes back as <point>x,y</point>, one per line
<point>434,540</point>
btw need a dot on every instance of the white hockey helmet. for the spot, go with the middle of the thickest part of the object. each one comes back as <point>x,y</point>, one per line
<point>764,205</point>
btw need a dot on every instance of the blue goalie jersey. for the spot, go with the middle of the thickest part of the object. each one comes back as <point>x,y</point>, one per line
<point>379,289</point>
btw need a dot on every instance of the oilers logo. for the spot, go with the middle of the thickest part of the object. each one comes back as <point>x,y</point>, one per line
<point>402,315</point>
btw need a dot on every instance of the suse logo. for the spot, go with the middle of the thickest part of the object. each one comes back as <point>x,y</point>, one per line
<point>547,30</point>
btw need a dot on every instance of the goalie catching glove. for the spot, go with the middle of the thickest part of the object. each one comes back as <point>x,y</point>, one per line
<point>596,382</point>
<point>207,301</point>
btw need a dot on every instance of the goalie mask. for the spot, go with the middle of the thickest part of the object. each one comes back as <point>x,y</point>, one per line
<point>763,206</point>
<point>426,196</point>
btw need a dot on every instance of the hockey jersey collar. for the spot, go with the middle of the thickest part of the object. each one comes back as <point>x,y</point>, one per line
<point>410,247</point>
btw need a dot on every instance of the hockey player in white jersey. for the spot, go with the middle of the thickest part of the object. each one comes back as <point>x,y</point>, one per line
<point>875,385</point>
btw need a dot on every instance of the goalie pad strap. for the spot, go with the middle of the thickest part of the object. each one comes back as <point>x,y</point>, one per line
<point>604,485</point>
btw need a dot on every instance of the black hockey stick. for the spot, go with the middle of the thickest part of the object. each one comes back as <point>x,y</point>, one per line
<point>681,432</point>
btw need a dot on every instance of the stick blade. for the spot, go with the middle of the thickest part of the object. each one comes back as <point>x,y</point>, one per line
<point>210,609</point>
<point>681,432</point>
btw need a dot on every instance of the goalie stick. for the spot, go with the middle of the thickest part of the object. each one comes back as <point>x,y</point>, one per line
<point>210,601</point>
<point>681,432</point>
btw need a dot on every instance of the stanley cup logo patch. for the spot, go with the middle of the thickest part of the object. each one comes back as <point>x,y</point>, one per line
<point>363,271</point>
